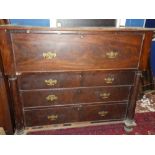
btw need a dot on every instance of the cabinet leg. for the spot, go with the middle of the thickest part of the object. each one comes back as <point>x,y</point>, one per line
<point>129,121</point>
<point>2,132</point>
<point>20,132</point>
<point>128,125</point>
<point>18,112</point>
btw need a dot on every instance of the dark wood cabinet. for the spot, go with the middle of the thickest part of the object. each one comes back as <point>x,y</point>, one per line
<point>5,115</point>
<point>69,75</point>
<point>6,118</point>
<point>86,51</point>
<point>5,108</point>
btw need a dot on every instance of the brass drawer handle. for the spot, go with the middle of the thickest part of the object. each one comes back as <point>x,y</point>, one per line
<point>103,113</point>
<point>112,54</point>
<point>51,97</point>
<point>52,117</point>
<point>51,82</point>
<point>105,95</point>
<point>109,80</point>
<point>49,55</point>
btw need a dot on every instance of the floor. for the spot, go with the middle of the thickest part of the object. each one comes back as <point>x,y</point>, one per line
<point>147,103</point>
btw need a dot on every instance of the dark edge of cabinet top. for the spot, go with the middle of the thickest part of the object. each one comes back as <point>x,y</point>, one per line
<point>13,27</point>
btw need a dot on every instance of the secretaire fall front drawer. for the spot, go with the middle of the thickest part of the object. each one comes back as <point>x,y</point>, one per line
<point>48,52</point>
<point>50,80</point>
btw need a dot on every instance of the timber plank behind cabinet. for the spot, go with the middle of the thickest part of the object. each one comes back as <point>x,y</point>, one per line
<point>67,75</point>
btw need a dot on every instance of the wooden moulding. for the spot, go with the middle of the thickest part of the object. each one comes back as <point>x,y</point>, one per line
<point>6,53</point>
<point>145,53</point>
<point>5,111</point>
<point>19,122</point>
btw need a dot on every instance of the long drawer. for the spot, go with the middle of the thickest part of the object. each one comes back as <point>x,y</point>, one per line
<point>43,80</point>
<point>48,52</point>
<point>105,112</point>
<point>74,96</point>
<point>49,116</point>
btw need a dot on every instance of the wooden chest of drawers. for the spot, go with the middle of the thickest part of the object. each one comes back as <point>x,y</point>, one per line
<point>60,76</point>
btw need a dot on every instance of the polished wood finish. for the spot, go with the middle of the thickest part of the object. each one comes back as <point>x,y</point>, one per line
<point>42,116</point>
<point>30,81</point>
<point>105,112</point>
<point>80,30</point>
<point>133,97</point>
<point>66,75</point>
<point>4,21</point>
<point>5,115</point>
<point>144,62</point>
<point>17,106</point>
<point>6,122</point>
<point>7,56</point>
<point>83,52</point>
<point>74,114</point>
<point>129,122</point>
<point>74,96</point>
<point>40,80</point>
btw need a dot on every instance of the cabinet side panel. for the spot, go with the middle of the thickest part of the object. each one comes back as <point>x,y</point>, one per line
<point>6,53</point>
<point>144,60</point>
<point>5,118</point>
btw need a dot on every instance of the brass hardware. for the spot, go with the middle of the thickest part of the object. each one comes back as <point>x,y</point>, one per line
<point>112,54</point>
<point>103,113</point>
<point>18,73</point>
<point>51,82</point>
<point>81,36</point>
<point>109,80</point>
<point>52,117</point>
<point>105,95</point>
<point>49,55</point>
<point>27,31</point>
<point>51,98</point>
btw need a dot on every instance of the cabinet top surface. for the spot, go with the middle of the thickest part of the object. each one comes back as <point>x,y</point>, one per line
<point>98,29</point>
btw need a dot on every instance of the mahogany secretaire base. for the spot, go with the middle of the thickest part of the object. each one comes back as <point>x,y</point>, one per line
<point>68,75</point>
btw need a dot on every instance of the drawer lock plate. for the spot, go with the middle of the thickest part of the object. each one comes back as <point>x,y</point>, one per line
<point>52,117</point>
<point>103,113</point>
<point>51,98</point>
<point>49,55</point>
<point>51,82</point>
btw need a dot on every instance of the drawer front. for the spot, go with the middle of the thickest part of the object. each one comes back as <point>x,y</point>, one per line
<point>108,78</point>
<point>38,117</point>
<point>49,52</point>
<point>103,112</point>
<point>50,116</point>
<point>75,79</point>
<point>49,80</point>
<point>74,96</point>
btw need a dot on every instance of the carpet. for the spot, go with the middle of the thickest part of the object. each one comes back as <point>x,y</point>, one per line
<point>145,126</point>
<point>144,117</point>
